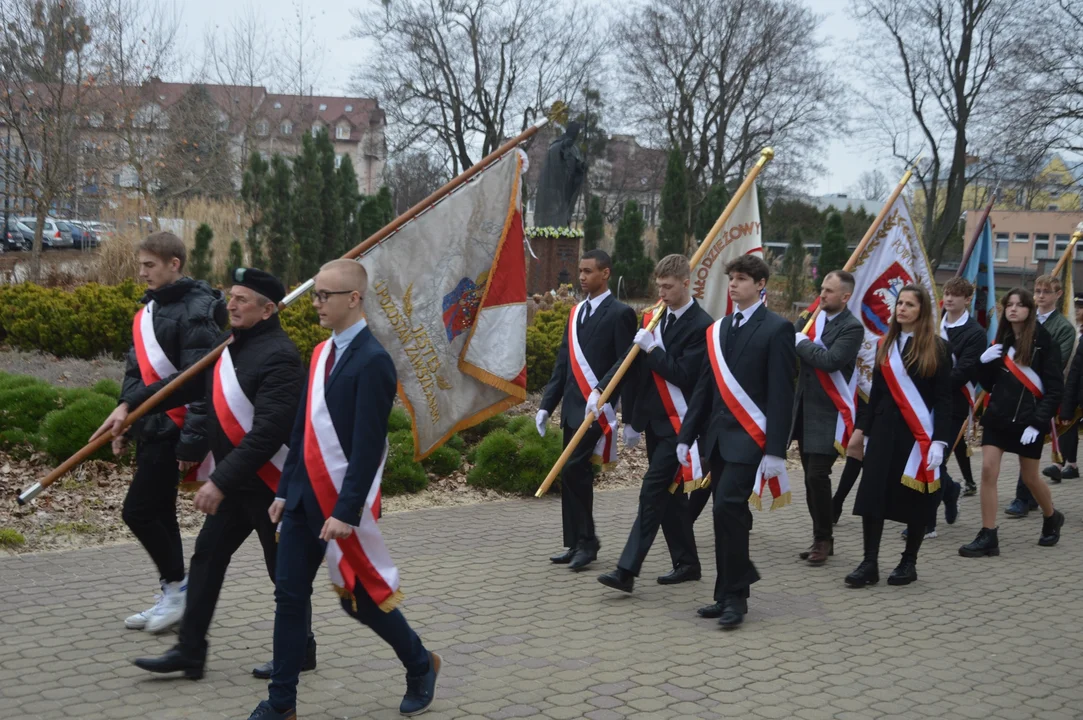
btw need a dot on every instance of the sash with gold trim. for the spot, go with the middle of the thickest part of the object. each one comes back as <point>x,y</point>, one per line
<point>919,419</point>
<point>843,394</point>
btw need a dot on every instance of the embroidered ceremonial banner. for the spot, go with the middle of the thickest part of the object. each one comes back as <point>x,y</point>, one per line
<point>447,299</point>
<point>894,257</point>
<point>676,407</point>
<point>750,417</point>
<point>742,235</point>
<point>360,561</point>
<point>979,273</point>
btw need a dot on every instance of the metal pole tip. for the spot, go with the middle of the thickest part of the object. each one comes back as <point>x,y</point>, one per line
<point>768,153</point>
<point>30,493</point>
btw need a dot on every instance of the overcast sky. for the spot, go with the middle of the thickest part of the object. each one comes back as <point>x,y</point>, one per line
<point>331,19</point>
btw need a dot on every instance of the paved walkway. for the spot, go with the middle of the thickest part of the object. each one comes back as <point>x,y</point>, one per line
<point>522,638</point>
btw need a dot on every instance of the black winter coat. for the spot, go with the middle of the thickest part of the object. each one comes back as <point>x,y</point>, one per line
<point>967,343</point>
<point>881,493</point>
<point>188,316</point>
<point>1010,403</point>
<point>271,375</point>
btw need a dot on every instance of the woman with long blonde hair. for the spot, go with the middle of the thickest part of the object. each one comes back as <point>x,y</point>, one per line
<point>1021,371</point>
<point>908,424</point>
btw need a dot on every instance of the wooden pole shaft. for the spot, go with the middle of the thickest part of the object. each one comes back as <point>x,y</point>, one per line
<point>1067,251</point>
<point>203,363</point>
<point>765,157</point>
<point>856,254</point>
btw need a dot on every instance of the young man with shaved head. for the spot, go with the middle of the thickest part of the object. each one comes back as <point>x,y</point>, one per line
<point>326,498</point>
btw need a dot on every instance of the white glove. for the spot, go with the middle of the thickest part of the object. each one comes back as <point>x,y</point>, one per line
<point>936,454</point>
<point>631,437</point>
<point>540,421</point>
<point>645,340</point>
<point>1029,435</point>
<point>773,466</point>
<point>800,338</point>
<point>592,402</point>
<point>993,353</point>
<point>683,455</point>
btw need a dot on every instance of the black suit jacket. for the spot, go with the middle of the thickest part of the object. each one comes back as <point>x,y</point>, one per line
<point>679,363</point>
<point>763,361</point>
<point>967,343</point>
<point>605,337</point>
<point>359,394</point>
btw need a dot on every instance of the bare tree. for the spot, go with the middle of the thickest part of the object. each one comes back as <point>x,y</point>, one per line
<point>412,177</point>
<point>465,75</point>
<point>135,43</point>
<point>933,88</point>
<point>301,63</point>
<point>872,185</point>
<point>724,78</point>
<point>44,59</point>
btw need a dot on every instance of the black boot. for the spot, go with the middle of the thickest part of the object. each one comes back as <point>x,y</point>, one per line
<point>904,574</point>
<point>1051,529</point>
<point>867,573</point>
<point>176,659</point>
<point>985,544</point>
<point>263,672</point>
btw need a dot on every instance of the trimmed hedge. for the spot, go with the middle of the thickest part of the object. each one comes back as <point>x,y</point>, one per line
<point>66,431</point>
<point>543,338</point>
<point>515,459</point>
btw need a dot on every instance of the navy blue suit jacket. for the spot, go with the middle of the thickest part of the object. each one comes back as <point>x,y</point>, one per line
<point>360,394</point>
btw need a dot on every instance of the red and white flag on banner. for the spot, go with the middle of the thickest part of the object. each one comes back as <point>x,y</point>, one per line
<point>742,235</point>
<point>447,299</point>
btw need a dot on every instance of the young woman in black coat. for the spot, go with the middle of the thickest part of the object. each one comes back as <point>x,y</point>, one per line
<point>1016,419</point>
<point>886,491</point>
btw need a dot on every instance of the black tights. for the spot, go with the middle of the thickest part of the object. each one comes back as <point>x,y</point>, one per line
<point>873,530</point>
<point>850,473</point>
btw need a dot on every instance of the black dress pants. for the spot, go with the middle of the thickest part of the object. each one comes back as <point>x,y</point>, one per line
<point>577,490</point>
<point>732,525</point>
<point>150,507</point>
<point>660,508</point>
<point>817,469</point>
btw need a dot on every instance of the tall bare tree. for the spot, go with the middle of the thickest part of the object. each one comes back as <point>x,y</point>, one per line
<point>135,42</point>
<point>412,177</point>
<point>44,58</point>
<point>724,78</point>
<point>465,75</point>
<point>301,61</point>
<point>935,89</point>
<point>872,185</point>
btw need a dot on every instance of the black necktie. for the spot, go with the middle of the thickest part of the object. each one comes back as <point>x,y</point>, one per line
<point>666,322</point>
<point>585,315</point>
<point>736,324</point>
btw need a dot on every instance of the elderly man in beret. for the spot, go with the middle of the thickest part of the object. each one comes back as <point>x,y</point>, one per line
<point>253,393</point>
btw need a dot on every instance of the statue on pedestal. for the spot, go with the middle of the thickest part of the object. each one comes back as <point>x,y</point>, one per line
<point>561,178</point>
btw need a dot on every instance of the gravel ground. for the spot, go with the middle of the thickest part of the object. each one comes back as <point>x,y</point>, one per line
<point>71,372</point>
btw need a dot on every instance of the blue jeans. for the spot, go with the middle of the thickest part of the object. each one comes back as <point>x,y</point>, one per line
<point>300,553</point>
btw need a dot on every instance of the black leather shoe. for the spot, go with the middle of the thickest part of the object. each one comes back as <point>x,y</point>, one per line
<point>263,672</point>
<point>985,544</point>
<point>1053,472</point>
<point>174,660</point>
<point>582,558</point>
<point>680,574</point>
<point>951,501</point>
<point>1070,472</point>
<point>867,573</point>
<point>711,611</point>
<point>731,618</point>
<point>618,580</point>
<point>1051,529</point>
<point>563,558</point>
<point>904,574</point>
<point>265,711</point>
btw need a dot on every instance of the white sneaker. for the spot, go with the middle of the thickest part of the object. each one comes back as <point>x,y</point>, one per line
<point>139,620</point>
<point>930,535</point>
<point>170,609</point>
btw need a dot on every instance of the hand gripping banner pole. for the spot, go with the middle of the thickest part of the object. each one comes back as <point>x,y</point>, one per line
<point>207,360</point>
<point>765,157</point>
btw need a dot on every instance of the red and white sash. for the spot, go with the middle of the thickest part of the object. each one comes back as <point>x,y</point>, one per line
<point>676,407</point>
<point>749,416</point>
<point>919,419</point>
<point>843,394</point>
<point>235,413</point>
<point>605,451</point>
<point>361,560</point>
<point>154,365</point>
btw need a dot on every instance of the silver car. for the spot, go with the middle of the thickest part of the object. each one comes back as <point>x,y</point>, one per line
<point>52,236</point>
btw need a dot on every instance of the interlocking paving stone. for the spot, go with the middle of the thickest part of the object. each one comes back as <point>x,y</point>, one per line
<point>521,638</point>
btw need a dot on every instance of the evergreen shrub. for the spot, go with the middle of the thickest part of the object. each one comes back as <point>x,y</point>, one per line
<point>66,431</point>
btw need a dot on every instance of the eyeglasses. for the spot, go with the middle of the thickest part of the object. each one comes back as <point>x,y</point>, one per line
<point>322,295</point>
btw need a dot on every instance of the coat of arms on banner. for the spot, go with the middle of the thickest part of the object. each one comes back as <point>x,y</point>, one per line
<point>878,304</point>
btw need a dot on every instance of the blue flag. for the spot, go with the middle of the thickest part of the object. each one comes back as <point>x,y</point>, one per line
<point>979,272</point>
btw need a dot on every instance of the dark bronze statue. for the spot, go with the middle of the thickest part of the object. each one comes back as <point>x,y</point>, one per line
<point>560,181</point>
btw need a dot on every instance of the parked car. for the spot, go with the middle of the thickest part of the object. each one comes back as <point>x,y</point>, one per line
<point>15,239</point>
<point>103,230</point>
<point>82,236</point>
<point>52,237</point>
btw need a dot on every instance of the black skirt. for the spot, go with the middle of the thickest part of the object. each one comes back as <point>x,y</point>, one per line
<point>1006,437</point>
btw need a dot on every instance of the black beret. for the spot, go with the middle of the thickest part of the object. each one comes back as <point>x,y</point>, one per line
<point>261,281</point>
<point>1079,297</point>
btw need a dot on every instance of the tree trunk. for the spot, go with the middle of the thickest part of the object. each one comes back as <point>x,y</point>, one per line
<point>35,252</point>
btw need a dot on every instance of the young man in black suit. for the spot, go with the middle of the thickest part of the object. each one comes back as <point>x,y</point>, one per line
<point>325,498</point>
<point>661,379</point>
<point>754,349</point>
<point>600,329</point>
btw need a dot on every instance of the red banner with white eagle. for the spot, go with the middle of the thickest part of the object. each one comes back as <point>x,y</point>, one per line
<point>447,299</point>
